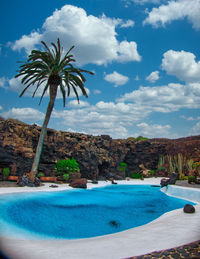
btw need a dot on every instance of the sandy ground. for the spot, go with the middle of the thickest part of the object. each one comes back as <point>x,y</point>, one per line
<point>172,229</point>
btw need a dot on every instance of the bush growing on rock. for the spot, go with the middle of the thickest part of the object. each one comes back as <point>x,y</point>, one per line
<point>67,166</point>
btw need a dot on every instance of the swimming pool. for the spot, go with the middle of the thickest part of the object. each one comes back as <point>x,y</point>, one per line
<point>84,213</point>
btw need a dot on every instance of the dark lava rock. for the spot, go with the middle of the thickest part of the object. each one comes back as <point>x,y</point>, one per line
<point>79,183</point>
<point>188,208</point>
<point>25,181</point>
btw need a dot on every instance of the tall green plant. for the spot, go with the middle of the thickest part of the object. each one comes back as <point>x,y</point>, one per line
<point>172,165</point>
<point>189,164</point>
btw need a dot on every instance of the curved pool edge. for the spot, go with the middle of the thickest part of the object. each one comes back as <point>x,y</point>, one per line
<point>188,193</point>
<point>170,230</point>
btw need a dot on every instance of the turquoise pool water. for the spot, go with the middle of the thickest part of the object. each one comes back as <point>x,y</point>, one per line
<point>85,213</point>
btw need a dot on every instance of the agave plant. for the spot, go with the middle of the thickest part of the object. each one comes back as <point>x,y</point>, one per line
<point>50,69</point>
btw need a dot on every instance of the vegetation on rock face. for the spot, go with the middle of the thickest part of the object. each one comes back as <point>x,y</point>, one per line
<point>137,176</point>
<point>140,138</point>
<point>51,69</point>
<point>6,172</point>
<point>67,166</point>
<point>123,168</point>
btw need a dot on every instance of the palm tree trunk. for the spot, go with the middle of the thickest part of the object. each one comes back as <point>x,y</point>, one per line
<point>34,170</point>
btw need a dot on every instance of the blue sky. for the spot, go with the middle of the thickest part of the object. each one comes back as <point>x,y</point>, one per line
<point>145,55</point>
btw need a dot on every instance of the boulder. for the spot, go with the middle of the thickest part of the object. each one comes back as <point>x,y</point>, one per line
<point>188,208</point>
<point>25,181</point>
<point>79,183</point>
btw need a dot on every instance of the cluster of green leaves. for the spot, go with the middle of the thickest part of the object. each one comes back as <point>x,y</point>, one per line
<point>123,167</point>
<point>40,175</point>
<point>67,166</point>
<point>137,176</point>
<point>152,172</point>
<point>191,178</point>
<point>6,171</point>
<point>162,168</point>
<point>140,138</point>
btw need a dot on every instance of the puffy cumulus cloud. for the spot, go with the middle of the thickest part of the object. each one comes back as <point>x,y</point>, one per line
<point>24,114</point>
<point>171,97</point>
<point>195,129</point>
<point>153,130</point>
<point>27,41</point>
<point>94,37</point>
<point>181,64</point>
<point>116,78</point>
<point>75,104</point>
<point>175,10</point>
<point>110,118</point>
<point>153,77</point>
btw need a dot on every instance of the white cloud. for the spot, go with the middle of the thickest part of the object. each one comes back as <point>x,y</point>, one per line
<point>96,91</point>
<point>195,130</point>
<point>24,114</point>
<point>75,104</point>
<point>153,130</point>
<point>137,78</point>
<point>190,118</point>
<point>171,97</point>
<point>142,2</point>
<point>153,77</point>
<point>3,82</point>
<point>94,37</point>
<point>181,64</point>
<point>1,108</point>
<point>116,78</point>
<point>128,23</point>
<point>175,10</point>
<point>103,118</point>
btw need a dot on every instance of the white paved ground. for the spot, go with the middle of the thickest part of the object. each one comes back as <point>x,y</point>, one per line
<point>170,230</point>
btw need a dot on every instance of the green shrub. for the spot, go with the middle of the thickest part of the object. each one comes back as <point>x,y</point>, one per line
<point>137,176</point>
<point>66,177</point>
<point>191,178</point>
<point>162,168</point>
<point>40,175</point>
<point>183,177</point>
<point>6,171</point>
<point>140,138</point>
<point>67,166</point>
<point>151,172</point>
<point>123,168</point>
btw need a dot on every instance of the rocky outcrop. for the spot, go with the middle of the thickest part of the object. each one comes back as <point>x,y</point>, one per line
<point>98,156</point>
<point>79,183</point>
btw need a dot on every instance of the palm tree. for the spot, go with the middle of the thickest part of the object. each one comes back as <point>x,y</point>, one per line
<point>50,69</point>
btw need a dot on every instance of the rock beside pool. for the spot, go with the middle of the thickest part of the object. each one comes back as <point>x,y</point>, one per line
<point>188,208</point>
<point>25,181</point>
<point>79,183</point>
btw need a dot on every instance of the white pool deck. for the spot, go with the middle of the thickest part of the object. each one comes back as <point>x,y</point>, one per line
<point>172,229</point>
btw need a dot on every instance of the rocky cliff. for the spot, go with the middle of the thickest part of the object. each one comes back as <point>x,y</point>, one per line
<point>98,156</point>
